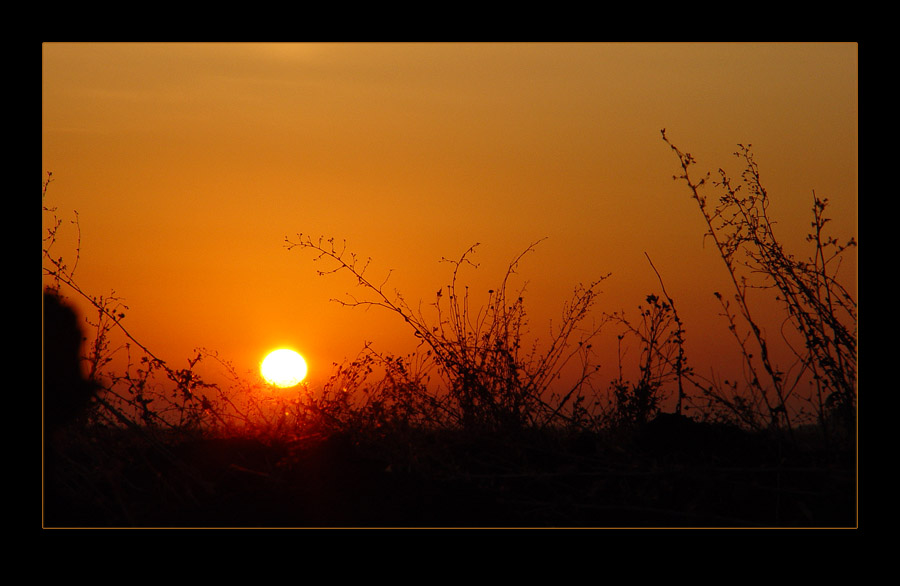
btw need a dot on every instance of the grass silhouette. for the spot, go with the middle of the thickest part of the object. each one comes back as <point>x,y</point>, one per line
<point>472,429</point>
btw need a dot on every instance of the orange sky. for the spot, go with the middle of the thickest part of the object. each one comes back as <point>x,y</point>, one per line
<point>188,164</point>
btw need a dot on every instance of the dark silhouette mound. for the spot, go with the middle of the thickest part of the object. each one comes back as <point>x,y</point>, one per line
<point>67,395</point>
<point>671,435</point>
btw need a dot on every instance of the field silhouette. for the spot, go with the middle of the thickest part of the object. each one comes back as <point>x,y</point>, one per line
<point>683,475</point>
<point>474,431</point>
<point>669,471</point>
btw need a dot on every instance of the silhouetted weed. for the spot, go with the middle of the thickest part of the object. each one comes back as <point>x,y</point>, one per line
<point>818,307</point>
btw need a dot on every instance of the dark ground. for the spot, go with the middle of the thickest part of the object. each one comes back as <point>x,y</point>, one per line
<point>672,473</point>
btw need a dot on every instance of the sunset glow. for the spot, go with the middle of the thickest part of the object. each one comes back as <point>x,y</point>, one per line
<point>189,164</point>
<point>284,368</point>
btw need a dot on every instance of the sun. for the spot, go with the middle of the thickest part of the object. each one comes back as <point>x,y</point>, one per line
<point>283,368</point>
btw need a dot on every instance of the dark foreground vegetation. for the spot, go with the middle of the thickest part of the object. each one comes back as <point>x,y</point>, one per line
<point>473,430</point>
<point>657,476</point>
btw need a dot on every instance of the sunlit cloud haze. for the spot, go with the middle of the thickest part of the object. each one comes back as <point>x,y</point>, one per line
<point>189,164</point>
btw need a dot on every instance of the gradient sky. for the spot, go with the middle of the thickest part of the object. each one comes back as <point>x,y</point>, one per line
<point>189,164</point>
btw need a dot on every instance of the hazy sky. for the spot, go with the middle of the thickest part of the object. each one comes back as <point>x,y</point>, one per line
<point>189,164</point>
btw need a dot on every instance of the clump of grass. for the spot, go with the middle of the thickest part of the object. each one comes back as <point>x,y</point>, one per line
<point>660,335</point>
<point>491,381</point>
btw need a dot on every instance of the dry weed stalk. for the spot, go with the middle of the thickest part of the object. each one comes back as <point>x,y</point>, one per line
<point>660,334</point>
<point>820,310</point>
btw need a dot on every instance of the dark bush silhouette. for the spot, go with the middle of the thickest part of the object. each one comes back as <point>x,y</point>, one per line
<point>67,395</point>
<point>679,438</point>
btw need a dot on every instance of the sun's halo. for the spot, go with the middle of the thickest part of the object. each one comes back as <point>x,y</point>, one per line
<point>283,368</point>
